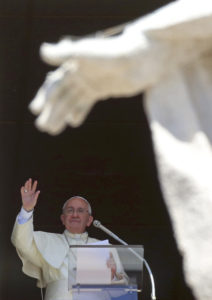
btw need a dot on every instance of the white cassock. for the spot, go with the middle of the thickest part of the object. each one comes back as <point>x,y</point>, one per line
<point>45,257</point>
<point>48,258</point>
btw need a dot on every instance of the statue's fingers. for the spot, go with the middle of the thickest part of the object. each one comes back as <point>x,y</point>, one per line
<point>53,118</point>
<point>56,54</point>
<point>47,90</point>
<point>69,101</point>
<point>79,112</point>
<point>74,105</point>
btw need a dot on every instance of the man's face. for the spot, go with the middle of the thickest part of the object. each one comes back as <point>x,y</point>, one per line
<point>75,216</point>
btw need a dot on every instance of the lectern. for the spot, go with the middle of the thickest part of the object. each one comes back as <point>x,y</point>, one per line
<point>105,272</point>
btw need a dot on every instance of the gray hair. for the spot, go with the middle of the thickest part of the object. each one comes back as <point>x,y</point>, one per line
<point>85,200</point>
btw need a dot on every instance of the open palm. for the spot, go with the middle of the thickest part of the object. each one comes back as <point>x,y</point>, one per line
<point>29,194</point>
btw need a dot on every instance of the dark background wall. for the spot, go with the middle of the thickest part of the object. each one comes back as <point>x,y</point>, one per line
<point>109,159</point>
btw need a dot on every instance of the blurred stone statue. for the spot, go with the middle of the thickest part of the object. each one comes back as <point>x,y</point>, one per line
<point>168,56</point>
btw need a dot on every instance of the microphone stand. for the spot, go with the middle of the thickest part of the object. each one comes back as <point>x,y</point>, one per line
<point>99,225</point>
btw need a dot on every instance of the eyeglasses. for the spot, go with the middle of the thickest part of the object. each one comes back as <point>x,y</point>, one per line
<point>71,211</point>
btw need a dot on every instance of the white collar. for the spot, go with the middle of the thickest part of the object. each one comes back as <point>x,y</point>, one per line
<point>77,236</point>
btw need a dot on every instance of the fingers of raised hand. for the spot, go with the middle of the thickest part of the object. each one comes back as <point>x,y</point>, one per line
<point>29,187</point>
<point>36,196</point>
<point>34,186</point>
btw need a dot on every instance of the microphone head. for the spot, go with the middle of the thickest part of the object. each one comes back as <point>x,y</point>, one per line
<point>96,223</point>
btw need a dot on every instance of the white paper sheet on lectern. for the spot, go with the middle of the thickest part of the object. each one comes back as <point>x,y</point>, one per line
<point>92,265</point>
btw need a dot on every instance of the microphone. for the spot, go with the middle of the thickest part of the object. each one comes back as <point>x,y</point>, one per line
<point>98,224</point>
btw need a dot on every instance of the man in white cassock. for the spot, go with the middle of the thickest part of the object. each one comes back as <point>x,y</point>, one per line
<point>45,255</point>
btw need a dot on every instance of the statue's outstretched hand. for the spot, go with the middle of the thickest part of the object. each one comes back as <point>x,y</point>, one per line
<point>89,70</point>
<point>98,67</point>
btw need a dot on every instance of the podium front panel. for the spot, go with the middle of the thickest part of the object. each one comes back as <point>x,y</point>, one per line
<point>105,272</point>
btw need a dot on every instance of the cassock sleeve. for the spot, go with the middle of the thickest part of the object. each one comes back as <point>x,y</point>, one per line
<point>22,239</point>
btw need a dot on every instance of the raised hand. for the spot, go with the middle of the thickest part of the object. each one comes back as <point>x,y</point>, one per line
<point>29,194</point>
